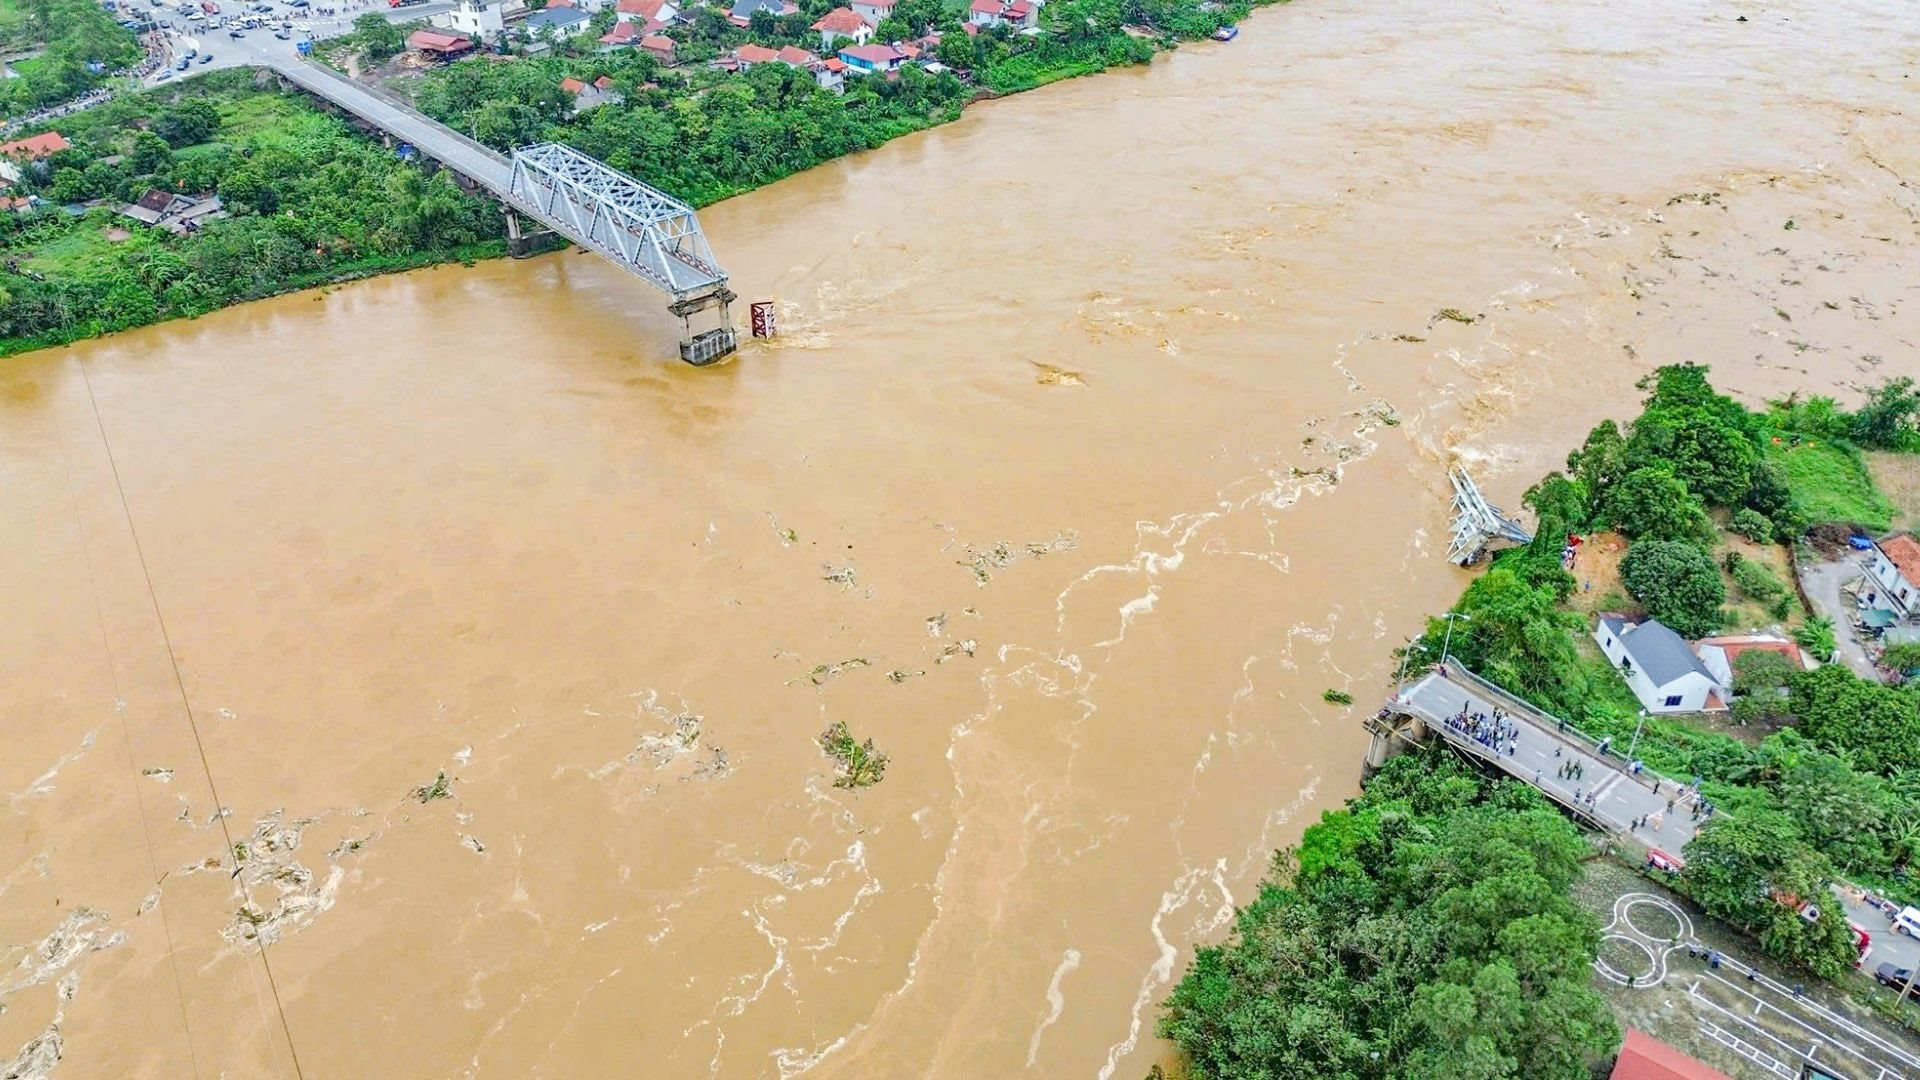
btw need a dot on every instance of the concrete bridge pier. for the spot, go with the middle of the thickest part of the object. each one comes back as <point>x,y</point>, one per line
<point>704,347</point>
<point>521,242</point>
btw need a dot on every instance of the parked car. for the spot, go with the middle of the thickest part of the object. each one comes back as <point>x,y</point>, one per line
<point>1907,921</point>
<point>1895,977</point>
<point>283,35</point>
<point>163,76</point>
<point>206,58</point>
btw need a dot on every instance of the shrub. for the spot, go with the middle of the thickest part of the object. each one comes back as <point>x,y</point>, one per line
<point>1752,524</point>
<point>1816,636</point>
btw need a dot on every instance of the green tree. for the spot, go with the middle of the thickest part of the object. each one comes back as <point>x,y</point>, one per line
<point>1677,583</point>
<point>1762,671</point>
<point>1841,711</point>
<point>194,120</point>
<point>378,38</point>
<point>1651,503</point>
<point>1886,420</point>
<point>1424,931</point>
<point>150,154</point>
<point>1516,635</point>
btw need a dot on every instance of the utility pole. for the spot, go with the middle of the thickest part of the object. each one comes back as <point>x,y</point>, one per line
<point>1636,737</point>
<point>1447,642</point>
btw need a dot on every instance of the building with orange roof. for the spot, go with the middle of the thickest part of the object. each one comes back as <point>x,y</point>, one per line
<point>1643,1057</point>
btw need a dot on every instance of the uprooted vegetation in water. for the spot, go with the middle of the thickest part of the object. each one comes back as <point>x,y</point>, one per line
<point>821,674</point>
<point>1453,315</point>
<point>856,764</point>
<point>1002,554</point>
<point>1337,697</point>
<point>441,788</point>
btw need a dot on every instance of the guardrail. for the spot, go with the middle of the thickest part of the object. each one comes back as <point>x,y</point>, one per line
<point>1566,731</point>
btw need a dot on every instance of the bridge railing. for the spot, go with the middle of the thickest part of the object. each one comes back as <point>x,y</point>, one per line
<point>1560,727</point>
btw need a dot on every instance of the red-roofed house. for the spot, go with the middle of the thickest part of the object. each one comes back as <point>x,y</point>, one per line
<point>829,74</point>
<point>1720,654</point>
<point>591,95</point>
<point>1895,572</point>
<point>1019,14</point>
<point>748,55</point>
<point>660,47</point>
<point>439,46</point>
<point>873,10</point>
<point>1643,1057</point>
<point>645,11</point>
<point>843,24</point>
<point>624,35</point>
<point>35,147</point>
<point>872,59</point>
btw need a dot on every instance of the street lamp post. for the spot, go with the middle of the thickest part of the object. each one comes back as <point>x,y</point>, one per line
<point>1400,680</point>
<point>1447,641</point>
<point>1631,746</point>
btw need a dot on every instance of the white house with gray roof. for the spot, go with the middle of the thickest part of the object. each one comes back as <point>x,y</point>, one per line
<point>1659,666</point>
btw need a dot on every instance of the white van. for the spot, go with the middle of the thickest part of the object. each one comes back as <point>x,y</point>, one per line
<point>1907,922</point>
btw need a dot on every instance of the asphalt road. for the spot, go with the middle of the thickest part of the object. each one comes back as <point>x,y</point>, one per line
<point>1540,751</point>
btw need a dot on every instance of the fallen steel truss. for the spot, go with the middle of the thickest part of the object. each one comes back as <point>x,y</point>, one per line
<point>1477,522</point>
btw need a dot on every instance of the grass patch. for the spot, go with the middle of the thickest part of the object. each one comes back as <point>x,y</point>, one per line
<point>1898,476</point>
<point>1831,483</point>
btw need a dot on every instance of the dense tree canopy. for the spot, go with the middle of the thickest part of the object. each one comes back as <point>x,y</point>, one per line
<point>307,198</point>
<point>1677,583</point>
<point>1756,870</point>
<point>1651,503</point>
<point>1424,931</point>
<point>1877,724</point>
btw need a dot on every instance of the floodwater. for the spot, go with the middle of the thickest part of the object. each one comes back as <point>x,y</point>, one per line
<point>1107,429</point>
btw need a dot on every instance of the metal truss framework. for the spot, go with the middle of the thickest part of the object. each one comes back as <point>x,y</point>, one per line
<point>607,211</point>
<point>1477,522</point>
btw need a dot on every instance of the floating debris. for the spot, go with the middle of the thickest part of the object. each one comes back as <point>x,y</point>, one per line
<point>955,648</point>
<point>900,675</point>
<point>441,788</point>
<point>165,776</point>
<point>1454,315</point>
<point>1048,375</point>
<point>823,672</point>
<point>787,536</point>
<point>937,624</point>
<point>1003,554</point>
<point>1704,198</point>
<point>856,764</point>
<point>1413,338</point>
<point>842,576</point>
<point>1337,697</point>
<point>473,843</point>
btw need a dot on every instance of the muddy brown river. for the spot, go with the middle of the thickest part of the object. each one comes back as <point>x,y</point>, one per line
<point>1107,429</point>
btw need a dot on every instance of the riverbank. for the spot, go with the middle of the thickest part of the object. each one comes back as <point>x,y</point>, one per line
<point>77,268</point>
<point>1825,792</point>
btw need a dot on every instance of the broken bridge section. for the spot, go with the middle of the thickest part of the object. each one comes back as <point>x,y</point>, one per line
<point>643,229</point>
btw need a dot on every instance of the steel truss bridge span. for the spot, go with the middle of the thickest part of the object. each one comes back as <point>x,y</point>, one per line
<point>600,208</point>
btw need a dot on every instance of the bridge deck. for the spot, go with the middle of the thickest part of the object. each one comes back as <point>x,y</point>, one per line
<point>1541,749</point>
